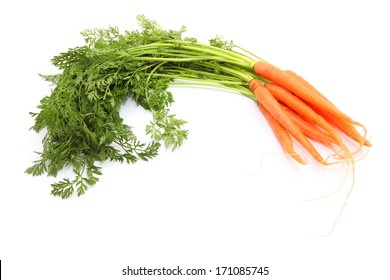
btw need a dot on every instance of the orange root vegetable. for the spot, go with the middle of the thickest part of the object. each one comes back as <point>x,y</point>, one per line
<point>310,129</point>
<point>266,99</point>
<point>281,134</point>
<point>305,111</point>
<point>307,84</point>
<point>279,77</point>
<point>346,127</point>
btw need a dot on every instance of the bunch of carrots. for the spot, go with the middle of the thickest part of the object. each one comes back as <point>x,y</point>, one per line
<point>295,109</point>
<point>111,67</point>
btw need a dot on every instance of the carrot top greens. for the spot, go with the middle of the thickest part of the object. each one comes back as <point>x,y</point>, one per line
<point>81,115</point>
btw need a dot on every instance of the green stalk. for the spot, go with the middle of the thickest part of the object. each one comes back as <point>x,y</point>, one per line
<point>239,58</point>
<point>231,79</point>
<point>184,48</point>
<point>234,88</point>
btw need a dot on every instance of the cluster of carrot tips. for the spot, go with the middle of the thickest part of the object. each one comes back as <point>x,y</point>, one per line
<point>296,110</point>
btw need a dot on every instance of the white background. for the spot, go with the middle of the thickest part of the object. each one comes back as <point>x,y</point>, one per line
<point>228,197</point>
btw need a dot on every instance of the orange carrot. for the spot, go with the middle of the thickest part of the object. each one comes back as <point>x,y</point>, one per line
<point>323,107</point>
<point>276,75</point>
<point>266,99</point>
<point>306,84</point>
<point>281,134</point>
<point>305,111</point>
<point>310,129</point>
<point>347,128</point>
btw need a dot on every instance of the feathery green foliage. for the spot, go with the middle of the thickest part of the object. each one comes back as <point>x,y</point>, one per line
<point>81,115</point>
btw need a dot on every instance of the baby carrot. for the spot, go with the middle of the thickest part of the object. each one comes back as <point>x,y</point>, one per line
<point>276,75</point>
<point>310,129</point>
<point>266,99</point>
<point>305,111</point>
<point>348,128</point>
<point>306,84</point>
<point>281,134</point>
<point>345,127</point>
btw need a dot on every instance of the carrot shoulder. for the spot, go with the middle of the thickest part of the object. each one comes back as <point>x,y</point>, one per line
<point>306,84</point>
